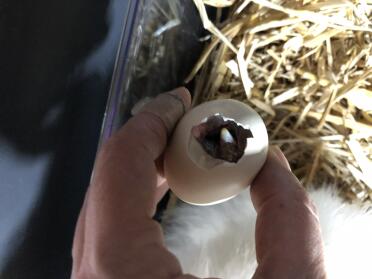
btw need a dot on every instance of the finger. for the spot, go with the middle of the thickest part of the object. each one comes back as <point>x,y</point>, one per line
<point>160,181</point>
<point>288,238</point>
<point>280,156</point>
<point>130,154</point>
<point>169,107</point>
<point>78,242</point>
<point>120,236</point>
<point>159,162</point>
<point>161,190</point>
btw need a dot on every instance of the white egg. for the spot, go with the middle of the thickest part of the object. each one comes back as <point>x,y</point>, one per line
<point>198,178</point>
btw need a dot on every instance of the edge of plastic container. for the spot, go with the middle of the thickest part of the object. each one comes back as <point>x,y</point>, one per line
<point>130,19</point>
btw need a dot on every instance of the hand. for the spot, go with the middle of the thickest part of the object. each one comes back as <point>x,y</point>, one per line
<point>116,236</point>
<point>288,237</point>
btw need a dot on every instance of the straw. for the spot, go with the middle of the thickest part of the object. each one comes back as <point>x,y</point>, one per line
<point>306,67</point>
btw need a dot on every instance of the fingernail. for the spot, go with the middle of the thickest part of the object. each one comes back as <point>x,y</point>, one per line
<point>183,95</point>
<point>140,104</point>
<point>169,106</point>
<point>280,156</point>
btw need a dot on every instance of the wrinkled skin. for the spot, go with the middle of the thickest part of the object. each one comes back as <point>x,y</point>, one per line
<point>116,237</point>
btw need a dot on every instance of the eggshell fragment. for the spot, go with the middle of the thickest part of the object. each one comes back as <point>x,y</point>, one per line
<point>198,178</point>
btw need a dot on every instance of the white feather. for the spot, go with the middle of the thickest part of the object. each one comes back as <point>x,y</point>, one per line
<point>218,241</point>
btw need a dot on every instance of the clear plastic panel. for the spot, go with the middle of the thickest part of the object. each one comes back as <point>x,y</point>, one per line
<point>159,45</point>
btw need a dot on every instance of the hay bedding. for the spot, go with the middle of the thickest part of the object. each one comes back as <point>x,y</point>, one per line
<point>306,67</point>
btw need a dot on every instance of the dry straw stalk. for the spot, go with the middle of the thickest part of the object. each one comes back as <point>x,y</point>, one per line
<point>306,66</point>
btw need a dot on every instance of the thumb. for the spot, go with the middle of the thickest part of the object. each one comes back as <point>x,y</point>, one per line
<point>288,237</point>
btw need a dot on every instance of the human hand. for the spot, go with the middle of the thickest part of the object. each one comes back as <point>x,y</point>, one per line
<point>116,236</point>
<point>288,237</point>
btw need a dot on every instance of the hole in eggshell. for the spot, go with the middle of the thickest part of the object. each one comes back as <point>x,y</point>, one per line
<point>222,139</point>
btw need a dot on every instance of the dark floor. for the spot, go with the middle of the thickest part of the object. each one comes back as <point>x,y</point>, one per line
<point>56,60</point>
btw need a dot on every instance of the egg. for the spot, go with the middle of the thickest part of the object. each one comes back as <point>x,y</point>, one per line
<point>215,152</point>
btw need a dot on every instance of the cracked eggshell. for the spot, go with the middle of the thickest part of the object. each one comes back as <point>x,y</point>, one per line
<point>197,182</point>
